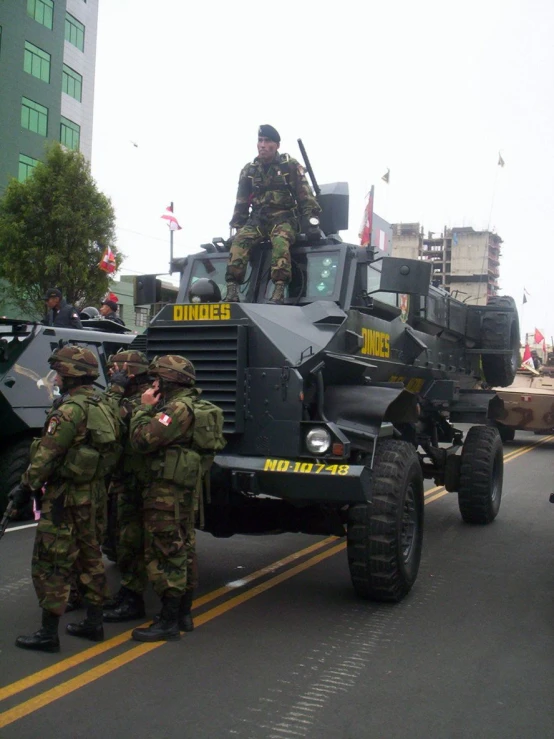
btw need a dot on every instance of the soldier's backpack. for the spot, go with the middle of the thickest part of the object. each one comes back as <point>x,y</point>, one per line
<point>100,453</point>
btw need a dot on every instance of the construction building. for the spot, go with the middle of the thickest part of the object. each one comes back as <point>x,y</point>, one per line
<point>47,64</point>
<point>465,262</point>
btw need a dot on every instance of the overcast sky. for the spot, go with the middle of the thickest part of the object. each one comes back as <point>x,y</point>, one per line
<point>431,90</point>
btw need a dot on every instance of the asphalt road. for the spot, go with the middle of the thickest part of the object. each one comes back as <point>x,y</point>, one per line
<point>283,648</point>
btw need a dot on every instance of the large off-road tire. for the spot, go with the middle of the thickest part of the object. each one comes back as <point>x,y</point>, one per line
<point>500,331</point>
<point>481,474</point>
<point>384,537</point>
<point>506,433</point>
<point>13,462</point>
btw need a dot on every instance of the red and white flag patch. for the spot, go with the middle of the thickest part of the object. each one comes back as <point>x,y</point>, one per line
<point>165,419</point>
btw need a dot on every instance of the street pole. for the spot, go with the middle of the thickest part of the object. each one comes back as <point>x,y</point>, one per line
<point>171,246</point>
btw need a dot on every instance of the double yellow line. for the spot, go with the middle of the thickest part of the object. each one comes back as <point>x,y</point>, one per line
<point>43,699</point>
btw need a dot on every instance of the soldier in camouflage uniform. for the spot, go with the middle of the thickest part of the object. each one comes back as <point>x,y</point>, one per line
<point>161,429</point>
<point>273,196</point>
<point>126,486</point>
<point>68,532</point>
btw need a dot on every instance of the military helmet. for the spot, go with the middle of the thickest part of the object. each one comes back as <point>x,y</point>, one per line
<point>173,368</point>
<point>90,312</point>
<point>204,290</point>
<point>137,363</point>
<point>74,361</point>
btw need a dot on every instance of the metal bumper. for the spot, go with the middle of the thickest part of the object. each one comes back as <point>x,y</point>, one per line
<point>298,480</point>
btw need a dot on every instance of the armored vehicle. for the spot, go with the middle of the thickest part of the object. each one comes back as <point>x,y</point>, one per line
<point>27,384</point>
<point>340,402</point>
<point>527,404</point>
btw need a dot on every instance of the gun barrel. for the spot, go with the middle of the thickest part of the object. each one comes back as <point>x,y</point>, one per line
<point>6,518</point>
<point>308,166</point>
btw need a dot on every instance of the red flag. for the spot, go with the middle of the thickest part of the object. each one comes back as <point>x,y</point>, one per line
<point>367,223</point>
<point>538,336</point>
<point>527,361</point>
<point>172,222</point>
<point>107,263</point>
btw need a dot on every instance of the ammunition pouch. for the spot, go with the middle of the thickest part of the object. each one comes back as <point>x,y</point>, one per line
<point>181,467</point>
<point>83,464</point>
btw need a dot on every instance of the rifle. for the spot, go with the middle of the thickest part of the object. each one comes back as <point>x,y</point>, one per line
<point>5,518</point>
<point>309,169</point>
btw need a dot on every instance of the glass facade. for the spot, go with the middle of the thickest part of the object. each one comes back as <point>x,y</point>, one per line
<point>72,83</point>
<point>70,133</point>
<point>74,32</point>
<point>26,166</point>
<point>42,11</point>
<point>34,117</point>
<point>36,62</point>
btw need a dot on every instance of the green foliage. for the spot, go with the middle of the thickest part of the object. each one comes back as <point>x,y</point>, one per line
<point>51,228</point>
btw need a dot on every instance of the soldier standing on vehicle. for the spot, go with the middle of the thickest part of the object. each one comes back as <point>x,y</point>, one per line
<point>76,451</point>
<point>58,312</point>
<point>273,198</point>
<point>126,487</point>
<point>108,309</point>
<point>162,429</point>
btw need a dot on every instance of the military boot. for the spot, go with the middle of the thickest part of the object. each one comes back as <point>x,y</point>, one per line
<point>129,607</point>
<point>278,295</point>
<point>166,627</point>
<point>185,616</point>
<point>46,638</point>
<point>232,295</point>
<point>91,628</point>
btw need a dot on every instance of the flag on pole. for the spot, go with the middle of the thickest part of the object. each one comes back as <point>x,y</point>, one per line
<point>500,160</point>
<point>172,222</point>
<point>538,336</point>
<point>366,226</point>
<point>527,361</point>
<point>107,263</point>
<point>386,176</point>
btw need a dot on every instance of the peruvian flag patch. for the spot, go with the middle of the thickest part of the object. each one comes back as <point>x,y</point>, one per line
<point>166,420</point>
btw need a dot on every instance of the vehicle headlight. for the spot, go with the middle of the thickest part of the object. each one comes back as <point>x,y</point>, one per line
<point>318,440</point>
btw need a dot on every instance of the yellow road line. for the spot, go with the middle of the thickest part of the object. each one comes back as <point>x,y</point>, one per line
<point>33,704</point>
<point>85,655</point>
<point>59,691</point>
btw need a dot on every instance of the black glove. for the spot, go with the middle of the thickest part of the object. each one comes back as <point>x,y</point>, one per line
<point>121,378</point>
<point>20,495</point>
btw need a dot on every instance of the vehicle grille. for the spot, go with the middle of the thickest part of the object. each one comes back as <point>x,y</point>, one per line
<point>218,354</point>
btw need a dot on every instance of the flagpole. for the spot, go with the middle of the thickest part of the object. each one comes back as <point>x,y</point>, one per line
<point>171,245</point>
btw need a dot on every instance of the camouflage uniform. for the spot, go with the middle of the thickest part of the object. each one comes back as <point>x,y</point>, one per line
<point>168,508</point>
<point>69,527</point>
<point>271,198</point>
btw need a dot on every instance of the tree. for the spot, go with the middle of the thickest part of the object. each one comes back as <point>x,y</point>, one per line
<point>53,230</point>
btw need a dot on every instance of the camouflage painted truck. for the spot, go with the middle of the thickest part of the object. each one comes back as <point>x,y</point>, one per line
<point>527,404</point>
<point>27,384</point>
<point>341,402</point>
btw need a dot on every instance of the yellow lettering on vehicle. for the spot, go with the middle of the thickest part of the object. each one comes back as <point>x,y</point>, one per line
<point>304,468</point>
<point>202,312</point>
<point>414,384</point>
<point>376,343</point>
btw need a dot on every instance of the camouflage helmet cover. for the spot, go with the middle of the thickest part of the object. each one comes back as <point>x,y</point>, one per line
<point>74,361</point>
<point>137,363</point>
<point>173,368</point>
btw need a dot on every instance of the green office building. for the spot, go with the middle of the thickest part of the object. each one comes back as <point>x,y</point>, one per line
<point>47,61</point>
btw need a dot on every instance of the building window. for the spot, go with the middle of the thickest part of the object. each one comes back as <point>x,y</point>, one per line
<point>34,117</point>
<point>141,316</point>
<point>72,83</point>
<point>42,11</point>
<point>74,32</point>
<point>70,133</point>
<point>26,166</point>
<point>37,62</point>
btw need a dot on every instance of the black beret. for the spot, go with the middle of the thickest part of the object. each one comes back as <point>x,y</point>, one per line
<point>52,292</point>
<point>270,133</point>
